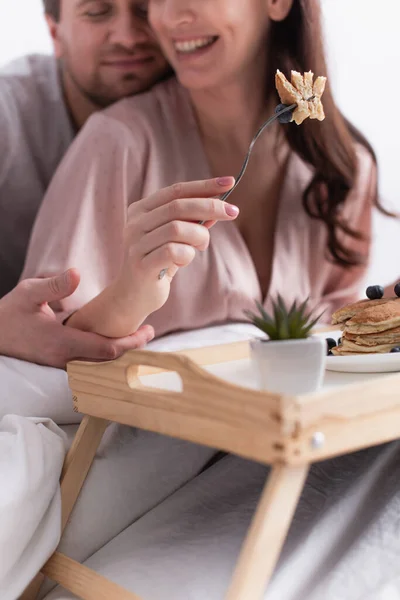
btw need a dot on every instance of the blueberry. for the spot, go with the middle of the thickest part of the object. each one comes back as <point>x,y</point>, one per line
<point>375,292</point>
<point>339,342</point>
<point>287,116</point>
<point>331,343</point>
<point>330,353</point>
<point>396,349</point>
<point>397,289</point>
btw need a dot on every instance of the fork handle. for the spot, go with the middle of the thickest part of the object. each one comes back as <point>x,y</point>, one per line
<point>276,116</point>
<point>271,120</point>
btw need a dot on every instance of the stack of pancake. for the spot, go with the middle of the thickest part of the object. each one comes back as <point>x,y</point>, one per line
<point>369,326</point>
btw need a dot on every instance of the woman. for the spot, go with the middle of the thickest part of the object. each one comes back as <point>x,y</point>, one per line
<point>305,201</point>
<point>199,128</point>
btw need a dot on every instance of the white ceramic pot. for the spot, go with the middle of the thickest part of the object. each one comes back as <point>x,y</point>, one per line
<point>290,366</point>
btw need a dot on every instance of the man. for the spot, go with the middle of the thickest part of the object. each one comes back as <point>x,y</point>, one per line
<point>104,51</point>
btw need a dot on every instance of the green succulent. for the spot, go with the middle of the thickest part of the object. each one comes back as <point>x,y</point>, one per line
<point>294,323</point>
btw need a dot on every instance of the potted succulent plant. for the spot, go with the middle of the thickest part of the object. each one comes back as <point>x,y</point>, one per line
<point>290,360</point>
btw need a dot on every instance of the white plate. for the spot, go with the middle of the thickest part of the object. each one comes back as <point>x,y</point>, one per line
<point>367,363</point>
<point>370,363</point>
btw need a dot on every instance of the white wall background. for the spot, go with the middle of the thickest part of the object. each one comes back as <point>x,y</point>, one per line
<point>363,42</point>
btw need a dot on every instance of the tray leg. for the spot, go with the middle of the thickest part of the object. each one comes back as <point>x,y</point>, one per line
<point>267,533</point>
<point>78,462</point>
<point>76,467</point>
<point>84,582</point>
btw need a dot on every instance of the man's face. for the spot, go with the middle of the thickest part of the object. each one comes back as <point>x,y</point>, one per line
<point>107,48</point>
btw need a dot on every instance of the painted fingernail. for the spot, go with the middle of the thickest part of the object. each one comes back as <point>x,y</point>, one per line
<point>224,181</point>
<point>231,210</point>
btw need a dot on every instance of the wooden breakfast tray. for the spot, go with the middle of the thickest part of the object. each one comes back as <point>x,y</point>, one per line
<point>287,432</point>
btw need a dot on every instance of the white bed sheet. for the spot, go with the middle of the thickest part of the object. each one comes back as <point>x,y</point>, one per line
<point>31,457</point>
<point>344,542</point>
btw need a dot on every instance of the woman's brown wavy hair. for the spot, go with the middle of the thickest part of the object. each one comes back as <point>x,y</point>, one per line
<point>329,147</point>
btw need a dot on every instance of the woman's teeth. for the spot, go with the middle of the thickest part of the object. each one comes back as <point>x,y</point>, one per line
<point>193,45</point>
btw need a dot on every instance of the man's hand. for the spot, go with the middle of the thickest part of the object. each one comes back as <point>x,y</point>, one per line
<point>29,329</point>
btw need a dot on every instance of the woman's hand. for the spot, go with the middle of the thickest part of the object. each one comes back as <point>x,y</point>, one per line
<point>163,232</point>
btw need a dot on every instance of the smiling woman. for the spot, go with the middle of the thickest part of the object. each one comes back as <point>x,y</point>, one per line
<point>29,35</point>
<point>305,200</point>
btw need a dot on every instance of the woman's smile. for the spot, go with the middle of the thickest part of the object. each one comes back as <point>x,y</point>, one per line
<point>191,45</point>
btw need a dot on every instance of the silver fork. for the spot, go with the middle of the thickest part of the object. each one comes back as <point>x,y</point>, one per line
<point>282,110</point>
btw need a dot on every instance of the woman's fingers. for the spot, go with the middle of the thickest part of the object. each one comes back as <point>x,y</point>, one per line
<point>179,232</point>
<point>163,230</point>
<point>170,256</point>
<point>190,189</point>
<point>189,209</point>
